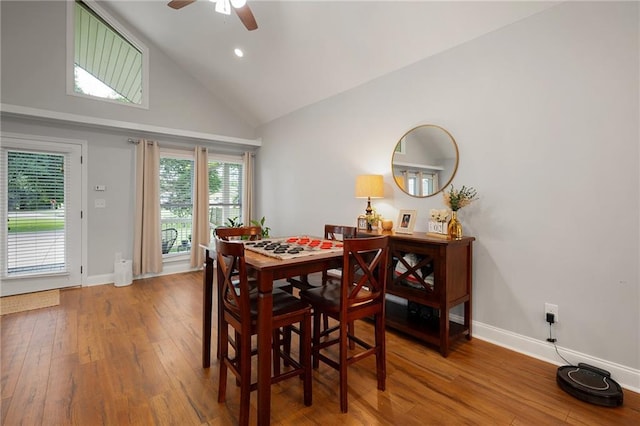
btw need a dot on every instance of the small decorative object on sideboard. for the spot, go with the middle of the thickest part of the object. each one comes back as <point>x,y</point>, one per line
<point>373,220</point>
<point>456,199</point>
<point>406,221</point>
<point>438,223</point>
<point>362,223</point>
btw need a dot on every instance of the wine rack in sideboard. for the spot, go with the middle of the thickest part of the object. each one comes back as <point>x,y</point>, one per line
<point>433,276</point>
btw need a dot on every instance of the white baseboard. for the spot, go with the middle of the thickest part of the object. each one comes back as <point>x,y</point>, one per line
<point>168,269</point>
<point>99,280</point>
<point>628,378</point>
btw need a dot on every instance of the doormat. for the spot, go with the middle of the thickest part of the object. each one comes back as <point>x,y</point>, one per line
<point>29,301</point>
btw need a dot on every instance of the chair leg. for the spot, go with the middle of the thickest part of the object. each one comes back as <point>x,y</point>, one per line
<point>352,332</point>
<point>276,350</point>
<point>316,340</point>
<point>237,338</point>
<point>219,310</point>
<point>245,378</point>
<point>223,350</point>
<point>305,357</point>
<point>381,353</point>
<point>286,342</point>
<point>343,368</point>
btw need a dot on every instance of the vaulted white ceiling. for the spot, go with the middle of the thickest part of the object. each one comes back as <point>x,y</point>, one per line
<point>306,51</point>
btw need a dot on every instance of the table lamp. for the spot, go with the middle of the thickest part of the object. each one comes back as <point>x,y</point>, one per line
<point>369,186</point>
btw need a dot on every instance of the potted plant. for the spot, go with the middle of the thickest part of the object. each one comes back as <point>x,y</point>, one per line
<point>260,223</point>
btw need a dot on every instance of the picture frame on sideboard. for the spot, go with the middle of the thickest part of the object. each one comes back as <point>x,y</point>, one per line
<point>406,221</point>
<point>362,223</point>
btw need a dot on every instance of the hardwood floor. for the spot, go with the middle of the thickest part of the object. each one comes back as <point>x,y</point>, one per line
<point>131,356</point>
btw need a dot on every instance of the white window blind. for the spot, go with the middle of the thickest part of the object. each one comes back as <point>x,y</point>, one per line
<point>226,182</point>
<point>36,187</point>
<point>176,200</point>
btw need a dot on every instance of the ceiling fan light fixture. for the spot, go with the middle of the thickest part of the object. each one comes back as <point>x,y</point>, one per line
<point>240,7</point>
<point>223,6</point>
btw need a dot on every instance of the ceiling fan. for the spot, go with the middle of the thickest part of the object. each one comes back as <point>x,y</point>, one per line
<point>224,6</point>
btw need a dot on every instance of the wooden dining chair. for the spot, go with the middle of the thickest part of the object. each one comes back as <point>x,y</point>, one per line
<point>305,282</point>
<point>241,233</point>
<point>245,233</point>
<point>358,295</point>
<point>331,232</point>
<point>240,311</point>
<point>250,233</point>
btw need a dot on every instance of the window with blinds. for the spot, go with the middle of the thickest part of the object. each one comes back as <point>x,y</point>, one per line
<point>226,180</point>
<point>176,201</point>
<point>107,64</point>
<point>36,185</point>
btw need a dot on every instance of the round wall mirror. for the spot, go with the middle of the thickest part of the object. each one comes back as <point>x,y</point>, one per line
<point>424,161</point>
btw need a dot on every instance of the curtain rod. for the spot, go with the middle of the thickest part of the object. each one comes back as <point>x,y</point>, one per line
<point>181,146</point>
<point>137,141</point>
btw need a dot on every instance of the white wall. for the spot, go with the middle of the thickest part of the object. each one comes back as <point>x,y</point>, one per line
<point>545,113</point>
<point>34,75</point>
<point>110,161</point>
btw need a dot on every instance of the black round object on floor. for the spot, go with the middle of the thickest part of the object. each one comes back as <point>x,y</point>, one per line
<point>590,384</point>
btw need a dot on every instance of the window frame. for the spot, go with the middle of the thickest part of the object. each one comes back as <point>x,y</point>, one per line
<point>100,11</point>
<point>232,159</point>
<point>187,154</point>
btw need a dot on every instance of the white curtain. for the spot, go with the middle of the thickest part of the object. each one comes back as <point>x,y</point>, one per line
<point>147,247</point>
<point>200,231</point>
<point>247,199</point>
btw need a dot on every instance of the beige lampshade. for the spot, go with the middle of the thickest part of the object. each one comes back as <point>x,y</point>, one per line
<point>369,186</point>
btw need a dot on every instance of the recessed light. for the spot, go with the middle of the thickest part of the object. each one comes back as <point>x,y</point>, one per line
<point>239,53</point>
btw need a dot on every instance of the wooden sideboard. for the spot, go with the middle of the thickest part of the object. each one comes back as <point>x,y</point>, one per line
<point>427,278</point>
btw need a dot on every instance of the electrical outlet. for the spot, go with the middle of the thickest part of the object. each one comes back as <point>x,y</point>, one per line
<point>550,308</point>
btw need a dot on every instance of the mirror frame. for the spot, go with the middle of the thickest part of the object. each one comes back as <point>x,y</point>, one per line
<point>455,167</point>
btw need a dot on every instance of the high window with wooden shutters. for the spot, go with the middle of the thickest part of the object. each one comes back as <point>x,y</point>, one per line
<point>106,61</point>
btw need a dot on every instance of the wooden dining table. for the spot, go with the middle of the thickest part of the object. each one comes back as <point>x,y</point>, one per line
<point>267,269</point>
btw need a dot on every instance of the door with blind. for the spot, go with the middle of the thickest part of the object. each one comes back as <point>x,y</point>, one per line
<point>41,209</point>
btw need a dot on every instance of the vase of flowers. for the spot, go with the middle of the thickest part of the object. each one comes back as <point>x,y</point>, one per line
<point>456,199</point>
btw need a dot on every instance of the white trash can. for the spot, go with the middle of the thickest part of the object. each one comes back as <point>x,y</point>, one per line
<point>122,273</point>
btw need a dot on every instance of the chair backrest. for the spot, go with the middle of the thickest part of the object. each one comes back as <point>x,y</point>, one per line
<point>332,231</point>
<point>369,257</point>
<point>168,238</point>
<point>243,232</point>
<point>232,278</point>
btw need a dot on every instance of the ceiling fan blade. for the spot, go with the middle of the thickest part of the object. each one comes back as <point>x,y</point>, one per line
<point>179,4</point>
<point>246,16</point>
